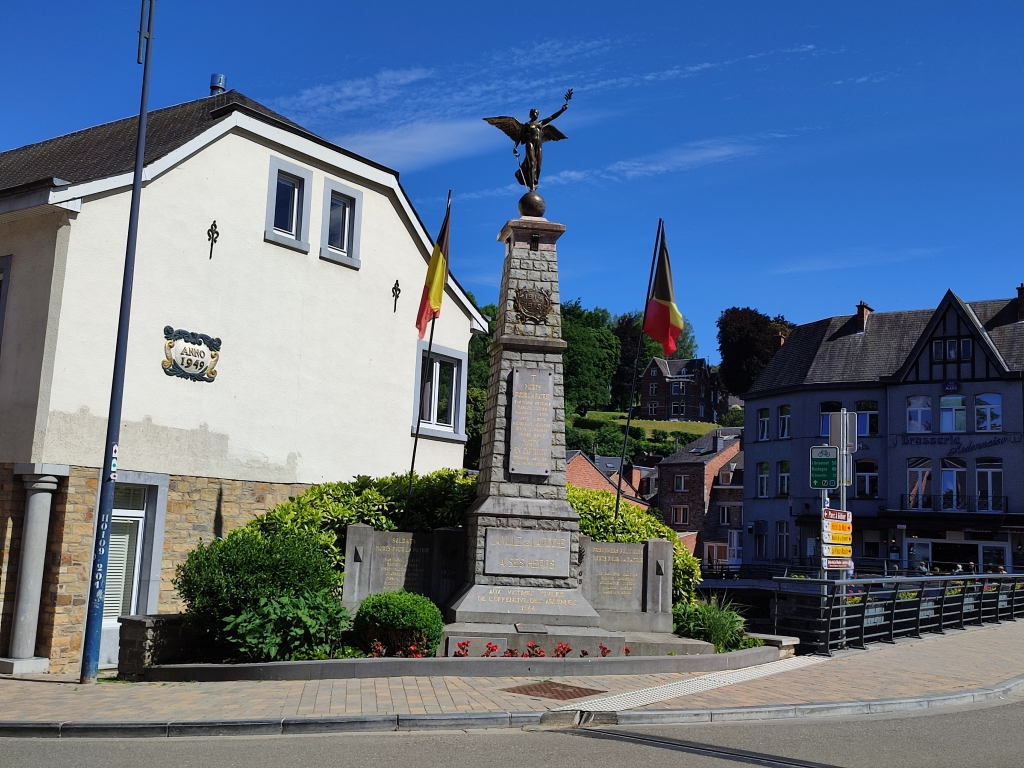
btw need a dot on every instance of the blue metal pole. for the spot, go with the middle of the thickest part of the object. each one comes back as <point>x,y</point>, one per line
<point>98,580</point>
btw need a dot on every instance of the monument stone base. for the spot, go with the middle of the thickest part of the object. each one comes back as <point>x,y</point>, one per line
<point>35,665</point>
<point>581,639</point>
<point>490,604</point>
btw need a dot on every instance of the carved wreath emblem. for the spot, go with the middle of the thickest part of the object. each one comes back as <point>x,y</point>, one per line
<point>191,356</point>
<point>533,304</point>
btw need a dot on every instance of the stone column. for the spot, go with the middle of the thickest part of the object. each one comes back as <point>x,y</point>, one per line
<point>522,537</point>
<point>40,483</point>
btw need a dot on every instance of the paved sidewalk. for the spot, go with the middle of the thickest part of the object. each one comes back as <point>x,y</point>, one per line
<point>936,664</point>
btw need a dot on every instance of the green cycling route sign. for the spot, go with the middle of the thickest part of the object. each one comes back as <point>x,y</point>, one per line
<point>824,467</point>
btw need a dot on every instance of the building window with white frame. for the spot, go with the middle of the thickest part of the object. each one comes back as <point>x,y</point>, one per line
<point>441,394</point>
<point>677,409</point>
<point>867,417</point>
<point>782,539</point>
<point>342,215</point>
<point>866,477</point>
<point>681,483</point>
<point>990,485</point>
<point>953,413</point>
<point>826,410</point>
<point>702,410</point>
<point>288,205</point>
<point>762,480</point>
<point>124,556</point>
<point>675,387</point>
<point>763,424</point>
<point>919,483</point>
<point>652,408</point>
<point>954,483</point>
<point>680,515</point>
<point>919,413</point>
<point>652,389</point>
<point>988,413</point>
<point>784,418</point>
<point>783,470</point>
<point>724,515</point>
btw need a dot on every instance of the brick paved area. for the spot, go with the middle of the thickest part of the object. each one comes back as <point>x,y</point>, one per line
<point>957,661</point>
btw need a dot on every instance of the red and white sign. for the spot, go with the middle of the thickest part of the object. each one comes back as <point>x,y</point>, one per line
<point>839,515</point>
<point>837,563</point>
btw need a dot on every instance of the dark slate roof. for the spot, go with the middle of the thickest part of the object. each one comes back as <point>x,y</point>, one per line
<point>701,450</point>
<point>679,367</point>
<point>109,149</point>
<point>570,455</point>
<point>608,465</point>
<point>831,351</point>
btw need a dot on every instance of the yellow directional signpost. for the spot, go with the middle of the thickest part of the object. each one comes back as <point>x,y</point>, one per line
<point>832,470</point>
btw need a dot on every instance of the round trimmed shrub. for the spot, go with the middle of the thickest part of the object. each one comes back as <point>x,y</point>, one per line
<point>227,576</point>
<point>398,624</point>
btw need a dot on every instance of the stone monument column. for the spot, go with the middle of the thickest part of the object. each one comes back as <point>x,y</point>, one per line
<point>522,537</point>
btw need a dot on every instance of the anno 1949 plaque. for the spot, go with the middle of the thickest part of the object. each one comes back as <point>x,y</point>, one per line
<point>526,552</point>
<point>532,417</point>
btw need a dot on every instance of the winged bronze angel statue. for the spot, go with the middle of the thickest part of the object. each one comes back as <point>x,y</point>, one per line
<point>531,136</point>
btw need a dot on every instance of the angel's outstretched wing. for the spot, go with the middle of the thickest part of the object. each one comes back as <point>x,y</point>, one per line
<point>508,125</point>
<point>553,134</point>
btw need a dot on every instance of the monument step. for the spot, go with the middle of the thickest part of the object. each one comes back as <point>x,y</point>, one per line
<point>505,637</point>
<point>486,604</point>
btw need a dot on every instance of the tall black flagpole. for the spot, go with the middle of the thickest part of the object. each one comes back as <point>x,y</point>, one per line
<point>98,579</point>
<point>636,364</point>
<point>423,372</point>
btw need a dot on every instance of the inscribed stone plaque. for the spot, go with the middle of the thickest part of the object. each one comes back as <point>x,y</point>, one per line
<point>400,561</point>
<point>532,417</point>
<point>617,574</point>
<point>521,552</point>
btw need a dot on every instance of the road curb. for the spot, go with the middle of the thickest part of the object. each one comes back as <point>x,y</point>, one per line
<point>476,720</point>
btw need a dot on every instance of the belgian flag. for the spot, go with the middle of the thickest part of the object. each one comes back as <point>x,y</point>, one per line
<point>663,322</point>
<point>437,277</point>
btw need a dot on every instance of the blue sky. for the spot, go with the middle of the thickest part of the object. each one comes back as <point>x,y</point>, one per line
<point>804,156</point>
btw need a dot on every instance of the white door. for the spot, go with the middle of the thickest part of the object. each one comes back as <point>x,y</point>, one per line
<point>124,563</point>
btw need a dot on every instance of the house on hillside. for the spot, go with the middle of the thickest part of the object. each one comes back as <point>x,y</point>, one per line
<point>938,470</point>
<point>272,345</point>
<point>681,390</point>
<point>583,473</point>
<point>701,491</point>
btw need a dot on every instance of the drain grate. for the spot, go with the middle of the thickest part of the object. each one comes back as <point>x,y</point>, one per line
<point>559,691</point>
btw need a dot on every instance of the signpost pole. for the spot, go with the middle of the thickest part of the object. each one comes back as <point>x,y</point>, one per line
<point>98,580</point>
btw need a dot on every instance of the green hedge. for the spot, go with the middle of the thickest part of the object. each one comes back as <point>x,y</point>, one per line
<point>398,624</point>
<point>634,525</point>
<point>228,576</point>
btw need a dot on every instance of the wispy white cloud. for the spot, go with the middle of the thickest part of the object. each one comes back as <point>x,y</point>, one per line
<point>855,258</point>
<point>874,77</point>
<point>417,145</point>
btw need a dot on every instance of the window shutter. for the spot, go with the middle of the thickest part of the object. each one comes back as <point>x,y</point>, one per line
<point>120,569</point>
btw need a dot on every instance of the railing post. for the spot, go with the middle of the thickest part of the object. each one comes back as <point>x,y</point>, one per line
<point>892,614</point>
<point>942,608</point>
<point>864,613</point>
<point>1013,599</point>
<point>828,620</point>
<point>920,600</point>
<point>981,603</point>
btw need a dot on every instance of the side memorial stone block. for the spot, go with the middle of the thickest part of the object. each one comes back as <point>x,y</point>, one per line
<point>448,564</point>
<point>358,556</point>
<point>401,561</point>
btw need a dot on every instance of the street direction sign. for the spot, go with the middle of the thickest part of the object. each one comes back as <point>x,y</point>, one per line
<point>835,429</point>
<point>827,537</point>
<point>836,550</point>
<point>837,563</point>
<point>837,514</point>
<point>832,526</point>
<point>824,467</point>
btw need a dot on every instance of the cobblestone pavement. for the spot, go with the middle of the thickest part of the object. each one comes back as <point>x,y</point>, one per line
<point>957,661</point>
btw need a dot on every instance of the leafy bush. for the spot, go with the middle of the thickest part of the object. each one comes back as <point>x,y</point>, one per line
<point>289,628</point>
<point>582,422</point>
<point>398,624</point>
<point>634,525</point>
<point>659,435</point>
<point>715,622</point>
<point>229,575</point>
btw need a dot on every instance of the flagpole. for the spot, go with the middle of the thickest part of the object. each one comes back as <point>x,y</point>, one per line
<point>636,365</point>
<point>423,373</point>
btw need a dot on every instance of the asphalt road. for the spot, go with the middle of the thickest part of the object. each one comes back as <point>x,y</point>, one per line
<point>982,735</point>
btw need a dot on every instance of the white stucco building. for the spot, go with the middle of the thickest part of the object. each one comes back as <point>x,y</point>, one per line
<point>317,368</point>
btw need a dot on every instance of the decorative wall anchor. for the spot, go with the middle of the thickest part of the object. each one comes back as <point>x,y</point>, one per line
<point>532,304</point>
<point>396,292</point>
<point>191,356</point>
<point>212,234</point>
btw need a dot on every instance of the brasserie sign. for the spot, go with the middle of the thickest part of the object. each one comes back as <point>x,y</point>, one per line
<point>189,355</point>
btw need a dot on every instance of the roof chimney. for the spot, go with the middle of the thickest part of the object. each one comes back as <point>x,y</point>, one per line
<point>863,310</point>
<point>1020,303</point>
<point>779,340</point>
<point>217,84</point>
<point>716,441</point>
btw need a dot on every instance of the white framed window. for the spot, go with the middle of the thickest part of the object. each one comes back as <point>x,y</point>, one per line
<point>652,408</point>
<point>680,515</point>
<point>675,387</point>
<point>677,409</point>
<point>441,393</point>
<point>966,348</point>
<point>763,427</point>
<point>735,545</point>
<point>826,409</point>
<point>954,483</point>
<point>867,417</point>
<point>342,219</point>
<point>124,557</point>
<point>681,483</point>
<point>724,514</point>
<point>762,480</point>
<point>919,483</point>
<point>652,389</point>
<point>866,476</point>
<point>988,413</point>
<point>782,539</point>
<point>919,413</point>
<point>725,477</point>
<point>990,485</point>
<point>702,410</point>
<point>953,413</point>
<point>288,205</point>
<point>783,470</point>
<point>784,416</point>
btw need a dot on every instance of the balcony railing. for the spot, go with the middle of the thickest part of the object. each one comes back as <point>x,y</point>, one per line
<point>948,502</point>
<point>830,614</point>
